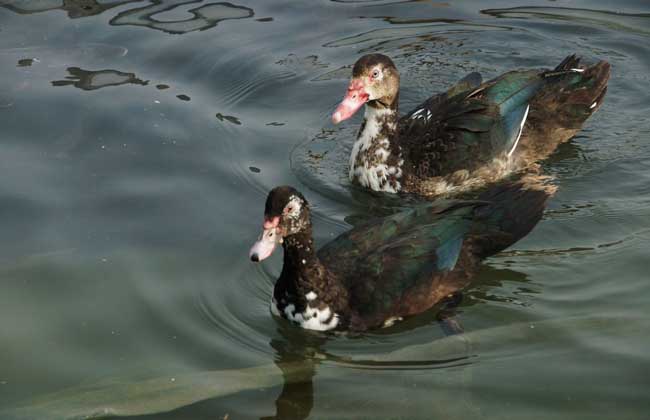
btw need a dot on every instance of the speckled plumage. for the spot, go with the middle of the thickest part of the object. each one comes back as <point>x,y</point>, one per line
<point>375,162</point>
<point>472,134</point>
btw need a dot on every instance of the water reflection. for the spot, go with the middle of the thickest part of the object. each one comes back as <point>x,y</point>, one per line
<point>26,62</point>
<point>296,347</point>
<point>385,39</point>
<point>92,80</point>
<point>229,118</point>
<point>383,2</point>
<point>626,22</point>
<point>164,15</point>
<point>487,286</point>
<point>173,21</point>
<point>74,8</point>
<point>296,399</point>
<point>490,286</point>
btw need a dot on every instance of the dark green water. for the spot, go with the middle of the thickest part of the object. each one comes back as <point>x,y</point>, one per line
<point>138,140</point>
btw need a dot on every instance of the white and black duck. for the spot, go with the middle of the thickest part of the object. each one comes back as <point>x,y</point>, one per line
<point>472,134</point>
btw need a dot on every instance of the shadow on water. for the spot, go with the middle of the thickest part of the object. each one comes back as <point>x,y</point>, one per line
<point>164,15</point>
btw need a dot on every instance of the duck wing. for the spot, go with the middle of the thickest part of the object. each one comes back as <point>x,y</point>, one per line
<point>471,81</point>
<point>467,129</point>
<point>364,238</point>
<point>387,262</point>
<point>405,263</point>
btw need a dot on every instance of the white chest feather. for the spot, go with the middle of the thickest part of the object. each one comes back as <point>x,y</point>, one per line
<point>311,318</point>
<point>370,154</point>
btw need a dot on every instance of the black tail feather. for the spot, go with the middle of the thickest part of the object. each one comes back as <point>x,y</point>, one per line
<point>569,63</point>
<point>572,92</point>
<point>575,91</point>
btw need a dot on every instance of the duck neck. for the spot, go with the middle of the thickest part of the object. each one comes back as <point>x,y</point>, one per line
<point>302,271</point>
<point>307,293</point>
<point>376,160</point>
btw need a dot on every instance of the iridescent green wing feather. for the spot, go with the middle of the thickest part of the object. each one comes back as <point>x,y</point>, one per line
<point>467,130</point>
<point>382,261</point>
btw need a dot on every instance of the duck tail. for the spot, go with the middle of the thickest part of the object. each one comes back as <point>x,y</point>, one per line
<point>512,210</point>
<point>570,94</point>
<point>573,91</point>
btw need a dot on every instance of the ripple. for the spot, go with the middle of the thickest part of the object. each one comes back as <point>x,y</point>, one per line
<point>49,57</point>
<point>376,2</point>
<point>164,200</point>
<point>163,16</point>
<point>75,9</point>
<point>616,21</point>
<point>6,101</point>
<point>246,87</point>
<point>386,38</point>
<point>341,73</point>
<point>322,162</point>
<point>573,210</point>
<point>306,64</point>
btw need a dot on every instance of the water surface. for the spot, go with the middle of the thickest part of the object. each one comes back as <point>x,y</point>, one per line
<point>138,142</point>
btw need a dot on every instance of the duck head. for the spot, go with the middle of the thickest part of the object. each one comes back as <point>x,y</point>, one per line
<point>375,81</point>
<point>286,213</point>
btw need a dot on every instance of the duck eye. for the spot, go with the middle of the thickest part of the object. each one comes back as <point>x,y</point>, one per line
<point>375,74</point>
<point>289,209</point>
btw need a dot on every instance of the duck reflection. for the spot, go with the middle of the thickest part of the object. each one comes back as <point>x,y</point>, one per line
<point>93,80</point>
<point>490,287</point>
<point>296,346</point>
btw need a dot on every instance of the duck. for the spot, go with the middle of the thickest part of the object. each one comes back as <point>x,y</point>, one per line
<point>471,135</point>
<point>391,267</point>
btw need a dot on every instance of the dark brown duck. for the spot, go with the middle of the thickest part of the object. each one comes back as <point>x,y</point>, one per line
<point>390,267</point>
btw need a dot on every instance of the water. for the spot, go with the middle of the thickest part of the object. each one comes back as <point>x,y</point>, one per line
<point>139,139</point>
